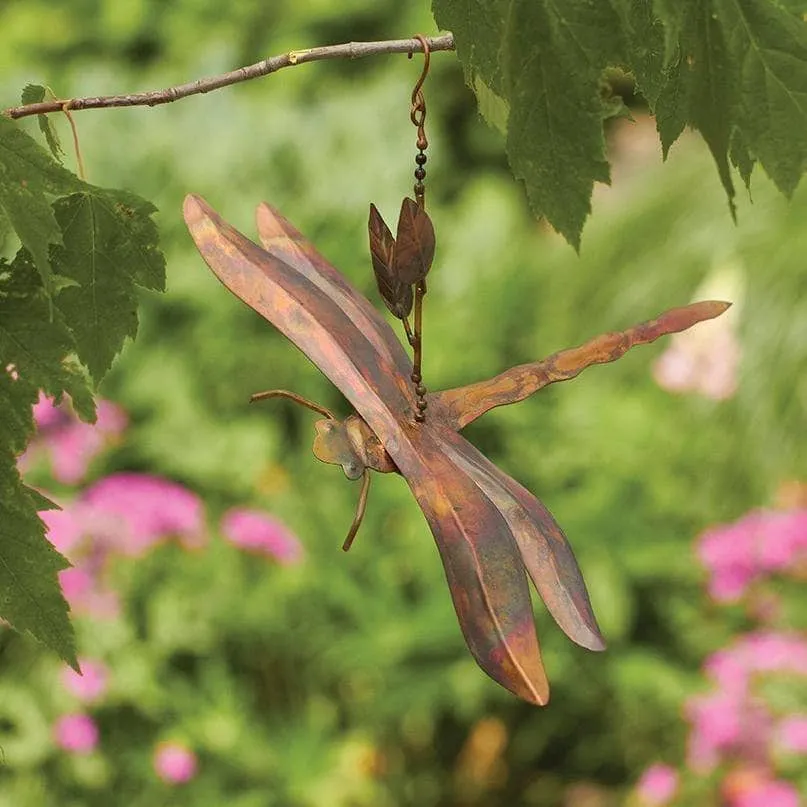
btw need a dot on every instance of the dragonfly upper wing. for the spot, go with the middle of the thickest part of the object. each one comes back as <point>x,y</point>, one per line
<point>306,313</point>
<point>544,549</point>
<point>282,239</point>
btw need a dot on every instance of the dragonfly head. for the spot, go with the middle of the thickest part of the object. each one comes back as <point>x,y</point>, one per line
<point>333,445</point>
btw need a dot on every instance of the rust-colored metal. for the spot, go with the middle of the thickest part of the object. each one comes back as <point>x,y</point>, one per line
<point>465,404</point>
<point>417,112</point>
<point>417,115</point>
<point>488,528</point>
<point>360,508</point>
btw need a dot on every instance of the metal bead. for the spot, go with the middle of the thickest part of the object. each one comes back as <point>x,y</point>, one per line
<point>420,159</point>
<point>420,390</point>
<point>422,405</point>
<point>420,174</point>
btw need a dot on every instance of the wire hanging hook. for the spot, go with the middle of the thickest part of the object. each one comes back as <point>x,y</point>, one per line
<point>418,108</point>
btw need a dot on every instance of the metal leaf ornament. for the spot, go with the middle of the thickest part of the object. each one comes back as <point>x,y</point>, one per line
<point>491,532</point>
<point>396,294</point>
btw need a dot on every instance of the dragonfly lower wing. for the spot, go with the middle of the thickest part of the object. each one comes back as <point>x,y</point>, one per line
<point>544,549</point>
<point>484,571</point>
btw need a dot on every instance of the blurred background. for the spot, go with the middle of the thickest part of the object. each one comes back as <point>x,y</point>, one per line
<point>232,653</point>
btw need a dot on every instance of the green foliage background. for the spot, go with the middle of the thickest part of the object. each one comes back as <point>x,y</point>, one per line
<point>345,681</point>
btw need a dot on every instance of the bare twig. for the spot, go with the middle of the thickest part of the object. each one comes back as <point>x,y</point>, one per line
<point>349,50</point>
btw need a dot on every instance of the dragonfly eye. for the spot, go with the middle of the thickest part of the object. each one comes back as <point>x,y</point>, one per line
<point>352,469</point>
<point>332,445</point>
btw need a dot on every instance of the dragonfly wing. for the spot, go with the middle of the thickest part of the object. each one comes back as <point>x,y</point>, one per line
<point>483,568</point>
<point>481,559</point>
<point>283,240</point>
<point>307,315</point>
<point>544,549</point>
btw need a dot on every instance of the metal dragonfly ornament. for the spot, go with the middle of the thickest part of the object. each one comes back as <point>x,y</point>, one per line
<point>488,528</point>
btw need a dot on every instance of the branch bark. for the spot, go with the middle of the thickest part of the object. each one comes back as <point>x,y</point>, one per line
<point>348,50</point>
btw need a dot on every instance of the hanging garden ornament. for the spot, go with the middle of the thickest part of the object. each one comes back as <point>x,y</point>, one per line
<point>488,528</point>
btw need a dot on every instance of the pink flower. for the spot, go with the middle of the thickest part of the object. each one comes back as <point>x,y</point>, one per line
<point>255,531</point>
<point>65,531</point>
<point>87,595</point>
<point>174,763</point>
<point>771,651</point>
<point>703,360</point>
<point>793,733</point>
<point>726,725</point>
<point>785,540</point>
<point>47,414</point>
<point>72,444</point>
<point>761,542</point>
<point>717,726</point>
<point>771,793</point>
<point>729,669</point>
<point>146,509</point>
<point>91,685</point>
<point>76,733</point>
<point>657,785</point>
<point>728,552</point>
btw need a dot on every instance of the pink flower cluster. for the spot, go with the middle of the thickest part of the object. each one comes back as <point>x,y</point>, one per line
<point>256,532</point>
<point>734,722</point>
<point>174,763</point>
<point>70,444</point>
<point>122,514</point>
<point>657,785</point>
<point>735,728</point>
<point>91,685</point>
<point>759,544</point>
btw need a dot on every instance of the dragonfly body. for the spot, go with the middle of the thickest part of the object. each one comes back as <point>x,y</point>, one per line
<point>490,531</point>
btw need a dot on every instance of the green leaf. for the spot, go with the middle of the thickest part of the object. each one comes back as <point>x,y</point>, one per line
<point>27,173</point>
<point>493,108</point>
<point>32,600</point>
<point>33,94</point>
<point>797,7</point>
<point>34,347</point>
<point>741,158</point>
<point>735,70</point>
<point>671,14</point>
<point>738,74</point>
<point>645,46</point>
<point>109,248</point>
<point>769,48</point>
<point>672,105</point>
<point>545,61</point>
<point>700,88</point>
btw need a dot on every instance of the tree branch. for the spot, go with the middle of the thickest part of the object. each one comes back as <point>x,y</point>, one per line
<point>349,50</point>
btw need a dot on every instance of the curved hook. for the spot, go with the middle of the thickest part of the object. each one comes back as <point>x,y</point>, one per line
<point>417,95</point>
<point>418,108</point>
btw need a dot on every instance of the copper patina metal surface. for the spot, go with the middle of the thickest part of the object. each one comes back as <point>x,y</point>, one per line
<point>489,529</point>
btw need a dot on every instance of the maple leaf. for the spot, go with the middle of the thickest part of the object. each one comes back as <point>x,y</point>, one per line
<point>109,248</point>
<point>735,70</point>
<point>33,348</point>
<point>27,174</point>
